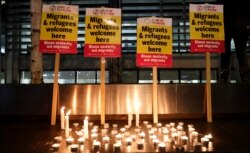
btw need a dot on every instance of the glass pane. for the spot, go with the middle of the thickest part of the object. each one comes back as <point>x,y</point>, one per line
<point>48,76</point>
<point>190,76</point>
<point>106,77</point>
<point>66,77</point>
<point>213,76</point>
<point>145,76</point>
<point>25,77</point>
<point>2,79</point>
<point>169,76</point>
<point>86,77</point>
<point>129,77</point>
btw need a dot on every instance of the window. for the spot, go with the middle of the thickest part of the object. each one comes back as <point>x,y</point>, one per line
<point>145,76</point>
<point>169,76</point>
<point>129,76</point>
<point>190,76</point>
<point>86,77</point>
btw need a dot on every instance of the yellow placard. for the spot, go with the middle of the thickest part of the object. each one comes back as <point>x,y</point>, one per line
<point>206,22</point>
<point>103,30</point>
<point>154,39</point>
<point>59,22</point>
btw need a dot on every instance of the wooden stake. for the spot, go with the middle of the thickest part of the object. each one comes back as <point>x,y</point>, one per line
<point>208,88</point>
<point>55,89</point>
<point>102,90</point>
<point>155,102</point>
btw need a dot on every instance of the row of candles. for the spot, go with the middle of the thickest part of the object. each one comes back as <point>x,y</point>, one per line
<point>163,138</point>
<point>65,120</point>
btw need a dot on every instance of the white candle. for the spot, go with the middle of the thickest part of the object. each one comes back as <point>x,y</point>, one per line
<point>67,124</point>
<point>86,128</point>
<point>130,118</point>
<point>137,115</point>
<point>62,117</point>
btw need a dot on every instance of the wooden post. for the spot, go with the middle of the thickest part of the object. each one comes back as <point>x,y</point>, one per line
<point>55,89</point>
<point>155,102</point>
<point>208,88</point>
<point>102,90</point>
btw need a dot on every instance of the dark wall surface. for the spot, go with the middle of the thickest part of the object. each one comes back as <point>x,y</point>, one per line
<point>172,98</point>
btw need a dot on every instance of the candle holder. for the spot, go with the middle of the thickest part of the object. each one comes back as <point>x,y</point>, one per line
<point>158,125</point>
<point>106,125</point>
<point>127,134</point>
<point>128,141</point>
<point>74,148</point>
<point>172,124</point>
<point>197,147</point>
<point>140,145</point>
<point>91,124</point>
<point>137,130</point>
<point>210,137</point>
<point>117,147</point>
<point>55,147</point>
<point>114,126</point>
<point>96,145</point>
<point>122,130</point>
<point>151,132</point>
<point>179,148</point>
<point>104,132</point>
<point>81,140</point>
<point>145,122</point>
<point>114,132</point>
<point>105,139</point>
<point>142,135</point>
<point>94,135</point>
<point>156,142</point>
<point>127,126</point>
<point>204,142</point>
<point>118,137</point>
<point>58,139</point>
<point>149,126</point>
<point>184,140</point>
<point>75,125</point>
<point>69,140</point>
<point>162,147</point>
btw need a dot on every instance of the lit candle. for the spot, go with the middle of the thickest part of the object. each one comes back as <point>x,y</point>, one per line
<point>86,128</point>
<point>67,124</point>
<point>62,117</point>
<point>137,115</point>
<point>130,118</point>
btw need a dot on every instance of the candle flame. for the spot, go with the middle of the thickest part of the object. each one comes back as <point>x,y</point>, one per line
<point>86,118</point>
<point>62,108</point>
<point>68,112</point>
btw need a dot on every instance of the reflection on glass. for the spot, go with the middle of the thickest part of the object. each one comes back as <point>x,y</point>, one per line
<point>213,76</point>
<point>145,76</point>
<point>129,76</point>
<point>169,76</point>
<point>86,77</point>
<point>190,76</point>
<point>106,77</point>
